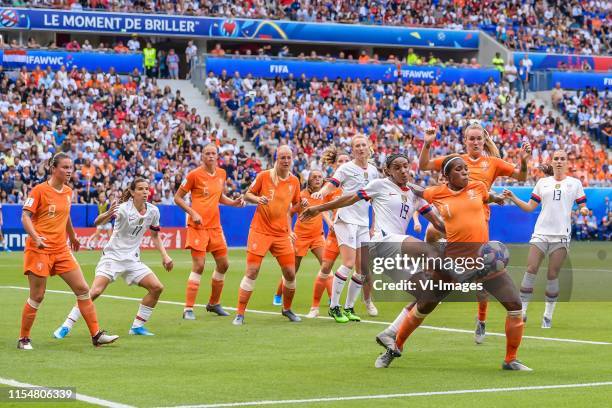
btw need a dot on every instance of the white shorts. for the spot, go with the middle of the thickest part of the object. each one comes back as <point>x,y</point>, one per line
<point>131,271</point>
<point>550,243</point>
<point>105,227</point>
<point>352,235</point>
<point>388,246</point>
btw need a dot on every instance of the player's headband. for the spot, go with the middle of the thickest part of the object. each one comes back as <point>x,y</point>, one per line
<point>447,163</point>
<point>392,158</point>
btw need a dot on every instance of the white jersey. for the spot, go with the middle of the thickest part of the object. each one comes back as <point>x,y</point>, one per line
<point>393,206</point>
<point>557,199</point>
<point>130,227</point>
<point>352,178</point>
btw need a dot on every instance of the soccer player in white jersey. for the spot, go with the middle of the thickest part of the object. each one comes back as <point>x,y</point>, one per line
<point>393,204</point>
<point>121,256</point>
<point>551,235</point>
<point>351,226</point>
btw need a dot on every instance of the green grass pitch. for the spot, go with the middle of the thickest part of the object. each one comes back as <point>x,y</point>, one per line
<point>209,361</point>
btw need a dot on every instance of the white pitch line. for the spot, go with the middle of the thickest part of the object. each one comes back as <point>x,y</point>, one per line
<point>80,397</point>
<point>265,312</point>
<point>404,395</point>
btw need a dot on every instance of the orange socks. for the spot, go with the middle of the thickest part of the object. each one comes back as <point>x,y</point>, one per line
<point>288,292</point>
<point>193,284</point>
<point>482,310</point>
<point>218,279</point>
<point>27,317</point>
<point>409,324</point>
<point>247,286</point>
<point>279,288</point>
<point>320,284</point>
<point>514,334</point>
<point>88,311</point>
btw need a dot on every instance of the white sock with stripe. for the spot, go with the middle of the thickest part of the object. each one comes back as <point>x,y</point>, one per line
<point>143,315</point>
<point>340,278</point>
<point>72,318</point>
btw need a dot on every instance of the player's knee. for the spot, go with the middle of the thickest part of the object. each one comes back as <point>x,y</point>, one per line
<point>513,306</point>
<point>222,266</point>
<point>532,269</point>
<point>37,297</point>
<point>156,289</point>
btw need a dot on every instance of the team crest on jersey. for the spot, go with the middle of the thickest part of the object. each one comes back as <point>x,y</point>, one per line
<point>472,194</point>
<point>140,221</point>
<point>365,175</point>
<point>485,165</point>
<point>557,186</point>
<point>404,198</point>
<point>51,211</point>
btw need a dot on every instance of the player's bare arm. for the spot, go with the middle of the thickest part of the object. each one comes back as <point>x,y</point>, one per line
<point>339,202</point>
<point>108,215</point>
<point>255,199</point>
<point>520,174</point>
<point>180,201</point>
<point>237,202</point>
<point>326,190</point>
<point>28,226</point>
<point>495,198</point>
<point>424,162</point>
<point>74,242</point>
<point>157,243</point>
<point>416,189</point>
<point>528,207</point>
<point>435,220</point>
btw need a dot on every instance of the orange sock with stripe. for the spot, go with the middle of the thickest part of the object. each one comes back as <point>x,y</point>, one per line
<point>514,334</point>
<point>482,310</point>
<point>409,324</point>
<point>88,311</point>
<point>321,283</point>
<point>216,284</point>
<point>193,285</point>
<point>28,315</point>
<point>244,294</point>
<point>288,292</point>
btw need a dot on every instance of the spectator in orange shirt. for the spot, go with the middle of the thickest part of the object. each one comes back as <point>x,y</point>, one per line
<point>364,58</point>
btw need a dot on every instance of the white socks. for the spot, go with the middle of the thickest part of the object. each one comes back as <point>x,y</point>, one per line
<point>143,315</point>
<point>527,289</point>
<point>353,290</point>
<point>552,293</point>
<point>340,278</point>
<point>398,320</point>
<point>73,316</point>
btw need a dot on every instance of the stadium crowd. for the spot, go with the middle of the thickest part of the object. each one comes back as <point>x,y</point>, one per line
<point>554,26</point>
<point>308,115</point>
<point>114,129</point>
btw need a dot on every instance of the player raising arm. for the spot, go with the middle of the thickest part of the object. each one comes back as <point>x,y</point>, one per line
<point>274,191</point>
<point>461,207</point>
<point>484,164</point>
<point>121,255</point>
<point>204,232</point>
<point>46,219</point>
<point>553,230</point>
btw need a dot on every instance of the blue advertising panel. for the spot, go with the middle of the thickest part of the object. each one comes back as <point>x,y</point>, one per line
<point>236,221</point>
<point>580,80</point>
<point>333,70</point>
<point>63,20</point>
<point>556,61</point>
<point>123,63</point>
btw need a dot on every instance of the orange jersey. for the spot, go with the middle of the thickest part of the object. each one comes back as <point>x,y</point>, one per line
<point>485,169</point>
<point>273,218</point>
<point>206,190</point>
<point>463,211</point>
<point>50,212</point>
<point>313,227</point>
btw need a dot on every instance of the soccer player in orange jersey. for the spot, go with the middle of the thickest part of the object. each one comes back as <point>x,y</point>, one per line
<point>460,204</point>
<point>333,157</point>
<point>485,165</point>
<point>204,232</point>
<point>309,235</point>
<point>46,219</point>
<point>275,192</point>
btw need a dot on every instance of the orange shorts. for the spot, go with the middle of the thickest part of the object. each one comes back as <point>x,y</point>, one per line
<point>331,247</point>
<point>303,244</point>
<point>204,240</point>
<point>260,244</point>
<point>44,265</point>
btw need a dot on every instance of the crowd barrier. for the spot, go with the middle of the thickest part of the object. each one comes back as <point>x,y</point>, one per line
<point>542,61</point>
<point>385,72</point>
<point>212,27</point>
<point>508,223</point>
<point>92,61</point>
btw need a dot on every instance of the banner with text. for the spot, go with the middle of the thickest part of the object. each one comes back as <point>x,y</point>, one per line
<point>187,26</point>
<point>580,80</point>
<point>123,63</point>
<point>344,70</point>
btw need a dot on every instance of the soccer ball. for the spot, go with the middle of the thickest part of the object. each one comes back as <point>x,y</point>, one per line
<point>495,255</point>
